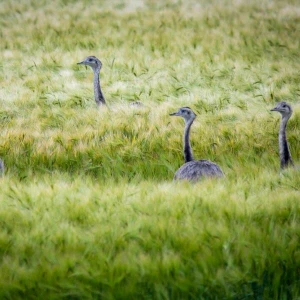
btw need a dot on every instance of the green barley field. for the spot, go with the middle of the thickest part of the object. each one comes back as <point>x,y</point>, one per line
<point>88,205</point>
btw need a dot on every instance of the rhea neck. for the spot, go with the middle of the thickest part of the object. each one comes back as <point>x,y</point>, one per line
<point>99,98</point>
<point>187,149</point>
<point>284,151</point>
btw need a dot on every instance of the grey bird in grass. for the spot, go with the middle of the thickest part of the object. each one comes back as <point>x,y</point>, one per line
<point>2,168</point>
<point>284,152</point>
<point>193,169</point>
<point>96,65</point>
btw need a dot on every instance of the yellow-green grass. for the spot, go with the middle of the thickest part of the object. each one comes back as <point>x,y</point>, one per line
<point>88,208</point>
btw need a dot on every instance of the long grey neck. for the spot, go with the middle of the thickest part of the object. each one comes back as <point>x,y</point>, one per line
<point>187,149</point>
<point>99,98</point>
<point>2,168</point>
<point>284,151</point>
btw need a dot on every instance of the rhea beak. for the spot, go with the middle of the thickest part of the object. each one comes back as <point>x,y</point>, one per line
<point>274,109</point>
<point>174,114</point>
<point>80,63</point>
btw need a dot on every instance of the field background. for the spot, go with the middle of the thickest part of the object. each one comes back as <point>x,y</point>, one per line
<point>88,208</point>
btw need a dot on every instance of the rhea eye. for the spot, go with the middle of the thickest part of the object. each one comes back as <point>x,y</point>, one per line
<point>284,105</point>
<point>90,59</point>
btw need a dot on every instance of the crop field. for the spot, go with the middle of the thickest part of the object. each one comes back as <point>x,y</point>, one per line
<point>88,205</point>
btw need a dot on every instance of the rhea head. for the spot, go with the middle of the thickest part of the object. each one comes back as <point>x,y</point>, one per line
<point>186,113</point>
<point>284,108</point>
<point>93,62</point>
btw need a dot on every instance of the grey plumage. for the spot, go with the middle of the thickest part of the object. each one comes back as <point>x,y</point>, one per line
<point>284,151</point>
<point>193,169</point>
<point>2,167</point>
<point>96,65</point>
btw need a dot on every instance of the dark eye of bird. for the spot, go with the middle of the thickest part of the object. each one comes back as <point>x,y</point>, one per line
<point>283,105</point>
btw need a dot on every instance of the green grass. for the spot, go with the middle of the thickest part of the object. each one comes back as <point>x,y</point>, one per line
<point>88,208</point>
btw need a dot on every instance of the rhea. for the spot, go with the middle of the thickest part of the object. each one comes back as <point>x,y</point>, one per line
<point>96,65</point>
<point>284,152</point>
<point>193,169</point>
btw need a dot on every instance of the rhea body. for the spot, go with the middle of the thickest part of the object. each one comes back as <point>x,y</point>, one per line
<point>193,169</point>
<point>284,151</point>
<point>96,65</point>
